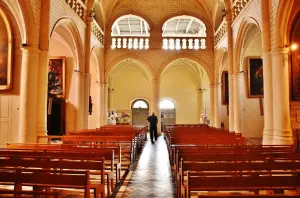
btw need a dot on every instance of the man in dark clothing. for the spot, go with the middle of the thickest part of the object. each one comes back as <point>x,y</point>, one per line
<point>153,126</point>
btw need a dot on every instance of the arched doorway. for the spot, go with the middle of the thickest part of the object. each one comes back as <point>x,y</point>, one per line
<point>167,111</point>
<point>140,112</point>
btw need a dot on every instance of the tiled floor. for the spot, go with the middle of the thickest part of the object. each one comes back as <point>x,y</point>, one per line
<point>152,175</point>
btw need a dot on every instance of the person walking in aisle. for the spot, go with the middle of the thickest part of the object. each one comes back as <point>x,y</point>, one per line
<point>153,126</point>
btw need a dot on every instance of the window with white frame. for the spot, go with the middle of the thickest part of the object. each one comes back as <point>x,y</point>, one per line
<point>140,104</point>
<point>130,32</point>
<point>166,104</point>
<point>184,32</point>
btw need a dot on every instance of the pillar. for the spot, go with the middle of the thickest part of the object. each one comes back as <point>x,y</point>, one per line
<point>282,133</point>
<point>230,70</point>
<point>200,96</point>
<point>102,103</point>
<point>42,85</point>
<point>155,102</point>
<point>267,64</point>
<point>105,102</point>
<point>87,87</point>
<point>98,100</point>
<point>211,107</point>
<point>79,105</point>
<point>111,98</point>
<point>28,94</point>
<point>217,107</point>
<point>237,83</point>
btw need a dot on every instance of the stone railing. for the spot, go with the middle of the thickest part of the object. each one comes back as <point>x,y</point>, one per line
<point>78,6</point>
<point>130,43</point>
<point>220,32</point>
<point>185,43</point>
<point>237,7</point>
<point>98,32</point>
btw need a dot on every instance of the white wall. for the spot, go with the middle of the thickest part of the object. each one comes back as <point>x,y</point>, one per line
<point>253,122</point>
<point>179,84</point>
<point>129,84</point>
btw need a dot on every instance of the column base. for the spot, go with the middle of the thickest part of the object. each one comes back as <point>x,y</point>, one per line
<point>41,131</point>
<point>283,137</point>
<point>267,137</point>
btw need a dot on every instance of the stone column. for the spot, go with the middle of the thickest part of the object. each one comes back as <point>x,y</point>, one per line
<point>111,98</point>
<point>155,99</point>
<point>102,104</point>
<point>105,102</point>
<point>200,96</point>
<point>87,87</point>
<point>211,104</point>
<point>98,100</point>
<point>79,102</point>
<point>282,133</point>
<point>28,94</point>
<point>42,85</point>
<point>230,70</point>
<point>237,82</point>
<point>217,107</point>
<point>267,64</point>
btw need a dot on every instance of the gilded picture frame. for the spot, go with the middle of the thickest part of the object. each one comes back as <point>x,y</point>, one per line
<point>255,77</point>
<point>56,76</point>
<point>5,54</point>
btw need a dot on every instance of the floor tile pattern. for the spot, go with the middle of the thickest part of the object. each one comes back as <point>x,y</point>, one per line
<point>152,175</point>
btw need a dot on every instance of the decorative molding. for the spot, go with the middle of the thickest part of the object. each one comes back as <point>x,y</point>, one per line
<point>98,32</point>
<point>237,8</point>
<point>78,6</point>
<point>220,32</point>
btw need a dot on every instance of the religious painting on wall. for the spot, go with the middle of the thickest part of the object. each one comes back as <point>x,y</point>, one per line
<point>56,76</point>
<point>5,53</point>
<point>225,88</point>
<point>295,56</point>
<point>255,77</point>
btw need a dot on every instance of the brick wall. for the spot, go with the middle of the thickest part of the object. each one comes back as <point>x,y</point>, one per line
<point>36,9</point>
<point>273,6</point>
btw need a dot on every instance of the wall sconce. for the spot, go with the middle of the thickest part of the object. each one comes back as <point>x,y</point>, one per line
<point>294,47</point>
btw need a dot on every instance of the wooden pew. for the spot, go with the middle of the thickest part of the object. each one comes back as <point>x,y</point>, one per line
<point>23,193</point>
<point>249,196</point>
<point>69,161</point>
<point>248,182</point>
<point>49,178</point>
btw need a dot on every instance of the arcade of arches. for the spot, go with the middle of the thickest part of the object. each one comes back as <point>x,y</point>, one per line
<point>224,63</point>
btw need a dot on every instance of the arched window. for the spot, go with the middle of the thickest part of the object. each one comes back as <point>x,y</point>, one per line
<point>184,32</point>
<point>130,32</point>
<point>140,104</point>
<point>166,104</point>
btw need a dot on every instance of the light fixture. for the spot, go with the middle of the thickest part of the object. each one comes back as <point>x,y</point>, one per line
<point>294,46</point>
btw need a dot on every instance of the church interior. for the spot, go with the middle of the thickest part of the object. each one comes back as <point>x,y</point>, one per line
<point>80,78</point>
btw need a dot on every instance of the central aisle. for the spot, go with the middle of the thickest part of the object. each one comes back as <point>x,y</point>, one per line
<point>152,176</point>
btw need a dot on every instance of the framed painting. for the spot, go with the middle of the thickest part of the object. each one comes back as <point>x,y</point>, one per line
<point>225,88</point>
<point>56,76</point>
<point>255,77</point>
<point>5,53</point>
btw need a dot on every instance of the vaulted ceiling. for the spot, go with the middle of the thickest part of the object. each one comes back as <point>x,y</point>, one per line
<point>210,7</point>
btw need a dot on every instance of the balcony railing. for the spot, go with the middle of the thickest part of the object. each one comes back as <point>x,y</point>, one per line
<point>184,43</point>
<point>130,43</point>
<point>78,6</point>
<point>98,32</point>
<point>220,32</point>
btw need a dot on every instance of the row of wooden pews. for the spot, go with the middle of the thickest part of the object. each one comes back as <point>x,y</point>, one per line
<point>94,160</point>
<point>206,167</point>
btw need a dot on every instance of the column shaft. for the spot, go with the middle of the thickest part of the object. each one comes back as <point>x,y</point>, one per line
<point>217,107</point>
<point>237,82</point>
<point>105,102</point>
<point>79,102</point>
<point>281,108</point>
<point>155,102</point>
<point>28,94</point>
<point>211,109</point>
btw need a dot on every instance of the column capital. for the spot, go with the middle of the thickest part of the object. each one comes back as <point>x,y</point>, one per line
<point>79,73</point>
<point>238,75</point>
<point>28,49</point>
<point>280,50</point>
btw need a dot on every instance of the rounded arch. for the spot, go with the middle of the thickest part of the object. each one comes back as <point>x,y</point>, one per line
<point>133,102</point>
<point>284,21</point>
<point>196,59</point>
<point>243,30</point>
<point>95,62</point>
<point>206,22</point>
<point>169,102</point>
<point>125,57</point>
<point>139,14</point>
<point>69,25</point>
<point>219,63</point>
